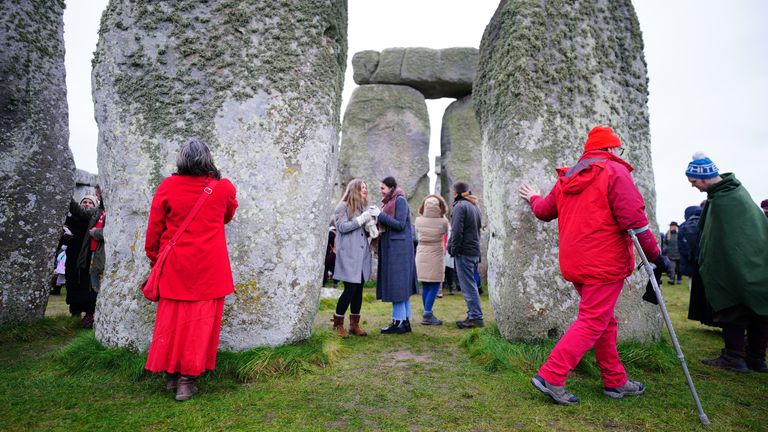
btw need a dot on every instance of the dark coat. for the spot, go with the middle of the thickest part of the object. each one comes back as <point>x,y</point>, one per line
<point>78,280</point>
<point>95,262</point>
<point>688,241</point>
<point>465,229</point>
<point>396,276</point>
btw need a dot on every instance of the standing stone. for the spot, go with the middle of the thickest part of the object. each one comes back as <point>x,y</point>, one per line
<point>441,73</point>
<point>260,82</point>
<point>85,184</point>
<point>36,166</point>
<point>548,73</point>
<point>386,133</point>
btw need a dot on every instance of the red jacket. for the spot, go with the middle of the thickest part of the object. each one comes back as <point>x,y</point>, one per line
<point>596,202</point>
<point>197,268</point>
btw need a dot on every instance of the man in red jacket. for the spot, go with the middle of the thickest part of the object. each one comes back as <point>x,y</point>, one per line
<point>596,202</point>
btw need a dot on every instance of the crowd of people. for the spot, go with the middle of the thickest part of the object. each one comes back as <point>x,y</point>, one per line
<point>722,246</point>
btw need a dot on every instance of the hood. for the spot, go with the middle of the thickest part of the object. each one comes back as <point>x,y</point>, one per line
<point>432,208</point>
<point>692,211</point>
<point>575,179</point>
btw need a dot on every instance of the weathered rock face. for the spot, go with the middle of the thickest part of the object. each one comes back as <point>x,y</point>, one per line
<point>386,132</point>
<point>461,160</point>
<point>85,184</point>
<point>260,82</point>
<point>36,165</point>
<point>436,73</point>
<point>547,74</point>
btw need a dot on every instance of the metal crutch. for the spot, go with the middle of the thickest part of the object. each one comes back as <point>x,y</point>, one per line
<point>633,233</point>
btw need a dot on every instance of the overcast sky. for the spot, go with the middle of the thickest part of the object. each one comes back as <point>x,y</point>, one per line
<point>707,66</point>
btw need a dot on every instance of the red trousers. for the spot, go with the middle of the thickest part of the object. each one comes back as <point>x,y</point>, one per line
<point>595,326</point>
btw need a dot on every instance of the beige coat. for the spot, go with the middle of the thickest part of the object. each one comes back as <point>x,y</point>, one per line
<point>430,229</point>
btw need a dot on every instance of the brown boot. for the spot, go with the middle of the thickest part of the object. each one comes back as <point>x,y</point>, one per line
<point>171,381</point>
<point>186,388</point>
<point>338,326</point>
<point>354,325</point>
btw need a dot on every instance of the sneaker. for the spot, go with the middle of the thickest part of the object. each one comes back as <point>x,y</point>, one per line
<point>430,319</point>
<point>557,393</point>
<point>757,364</point>
<point>396,327</point>
<point>470,323</point>
<point>630,388</point>
<point>728,362</point>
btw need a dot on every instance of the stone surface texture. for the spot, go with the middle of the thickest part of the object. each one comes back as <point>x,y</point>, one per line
<point>548,73</point>
<point>260,82</point>
<point>36,166</point>
<point>386,132</point>
<point>461,160</point>
<point>447,72</point>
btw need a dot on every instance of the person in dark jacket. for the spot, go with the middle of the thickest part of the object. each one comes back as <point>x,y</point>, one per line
<point>733,262</point>
<point>464,246</point>
<point>80,297</point>
<point>671,251</point>
<point>595,202</point>
<point>396,276</point>
<point>699,308</point>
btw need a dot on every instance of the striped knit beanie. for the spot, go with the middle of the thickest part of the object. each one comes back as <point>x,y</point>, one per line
<point>701,167</point>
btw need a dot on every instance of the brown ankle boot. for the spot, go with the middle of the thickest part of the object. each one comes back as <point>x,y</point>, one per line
<point>354,325</point>
<point>338,326</point>
<point>186,388</point>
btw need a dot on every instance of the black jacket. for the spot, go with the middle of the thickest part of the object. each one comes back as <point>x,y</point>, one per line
<point>465,229</point>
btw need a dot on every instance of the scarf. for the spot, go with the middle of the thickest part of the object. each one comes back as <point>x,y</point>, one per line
<point>391,200</point>
<point>467,196</point>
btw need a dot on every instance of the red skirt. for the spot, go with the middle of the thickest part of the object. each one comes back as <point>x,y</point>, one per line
<point>186,336</point>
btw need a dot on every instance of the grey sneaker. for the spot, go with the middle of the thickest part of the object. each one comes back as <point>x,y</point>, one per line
<point>557,393</point>
<point>470,323</point>
<point>430,319</point>
<point>630,388</point>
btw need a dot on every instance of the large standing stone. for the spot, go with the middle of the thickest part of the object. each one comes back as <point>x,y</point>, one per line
<point>549,72</point>
<point>260,81</point>
<point>386,132</point>
<point>85,184</point>
<point>441,73</point>
<point>461,160</point>
<point>36,166</point>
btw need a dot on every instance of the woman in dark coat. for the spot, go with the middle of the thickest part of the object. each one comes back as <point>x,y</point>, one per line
<point>196,275</point>
<point>80,297</point>
<point>396,277</point>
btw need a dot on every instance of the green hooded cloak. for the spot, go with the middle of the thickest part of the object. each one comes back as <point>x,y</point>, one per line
<point>734,248</point>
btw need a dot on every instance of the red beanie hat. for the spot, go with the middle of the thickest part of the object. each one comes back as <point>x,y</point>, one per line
<point>601,137</point>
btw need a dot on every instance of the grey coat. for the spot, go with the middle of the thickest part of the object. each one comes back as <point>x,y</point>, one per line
<point>353,253</point>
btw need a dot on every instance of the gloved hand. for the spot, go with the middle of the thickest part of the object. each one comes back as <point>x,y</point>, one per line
<point>663,264</point>
<point>374,211</point>
<point>364,218</point>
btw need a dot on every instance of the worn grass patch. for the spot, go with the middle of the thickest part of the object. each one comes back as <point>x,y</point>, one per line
<point>43,328</point>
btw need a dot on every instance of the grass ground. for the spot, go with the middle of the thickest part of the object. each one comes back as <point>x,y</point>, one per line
<point>53,377</point>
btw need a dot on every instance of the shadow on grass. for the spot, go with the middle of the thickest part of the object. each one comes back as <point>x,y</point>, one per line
<point>40,329</point>
<point>85,354</point>
<point>495,354</point>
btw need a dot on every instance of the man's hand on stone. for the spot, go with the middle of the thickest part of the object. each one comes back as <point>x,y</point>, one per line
<point>527,192</point>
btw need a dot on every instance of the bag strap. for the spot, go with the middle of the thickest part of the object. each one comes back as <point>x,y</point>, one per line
<point>207,191</point>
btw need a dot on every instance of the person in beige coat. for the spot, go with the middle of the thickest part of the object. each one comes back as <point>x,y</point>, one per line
<point>431,226</point>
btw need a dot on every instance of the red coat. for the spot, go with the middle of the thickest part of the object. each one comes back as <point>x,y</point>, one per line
<point>596,202</point>
<point>197,267</point>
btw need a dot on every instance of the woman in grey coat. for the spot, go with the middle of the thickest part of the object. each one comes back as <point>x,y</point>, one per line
<point>396,277</point>
<point>353,255</point>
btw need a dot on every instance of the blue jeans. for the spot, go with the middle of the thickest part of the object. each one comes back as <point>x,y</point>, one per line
<point>428,295</point>
<point>465,271</point>
<point>401,310</point>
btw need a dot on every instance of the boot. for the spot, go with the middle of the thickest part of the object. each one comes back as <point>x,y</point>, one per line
<point>397,327</point>
<point>186,388</point>
<point>407,324</point>
<point>172,381</point>
<point>354,325</point>
<point>338,326</point>
<point>757,364</point>
<point>87,321</point>
<point>728,360</point>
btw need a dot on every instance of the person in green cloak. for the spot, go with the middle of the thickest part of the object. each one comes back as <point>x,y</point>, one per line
<point>733,263</point>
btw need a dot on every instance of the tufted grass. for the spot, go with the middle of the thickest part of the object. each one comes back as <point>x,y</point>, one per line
<point>434,379</point>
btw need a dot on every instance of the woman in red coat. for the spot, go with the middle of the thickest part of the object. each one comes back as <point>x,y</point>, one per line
<point>196,275</point>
